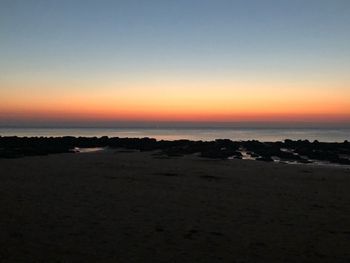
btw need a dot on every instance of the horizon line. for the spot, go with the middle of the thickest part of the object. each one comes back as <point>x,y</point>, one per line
<point>174,124</point>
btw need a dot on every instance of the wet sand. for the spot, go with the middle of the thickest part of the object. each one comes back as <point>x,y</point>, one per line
<point>125,206</point>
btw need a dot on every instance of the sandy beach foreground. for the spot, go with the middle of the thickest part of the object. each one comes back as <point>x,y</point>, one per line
<point>120,206</point>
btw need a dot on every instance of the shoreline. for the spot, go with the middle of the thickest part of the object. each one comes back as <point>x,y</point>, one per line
<point>313,163</point>
<point>300,151</point>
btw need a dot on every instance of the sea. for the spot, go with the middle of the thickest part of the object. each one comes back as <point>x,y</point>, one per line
<point>204,134</point>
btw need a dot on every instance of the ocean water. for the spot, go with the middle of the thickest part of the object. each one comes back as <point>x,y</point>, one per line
<point>205,134</point>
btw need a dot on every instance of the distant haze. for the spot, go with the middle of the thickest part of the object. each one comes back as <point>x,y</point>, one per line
<point>158,124</point>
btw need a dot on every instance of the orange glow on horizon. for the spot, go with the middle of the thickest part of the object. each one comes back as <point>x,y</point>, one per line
<point>243,101</point>
<point>171,115</point>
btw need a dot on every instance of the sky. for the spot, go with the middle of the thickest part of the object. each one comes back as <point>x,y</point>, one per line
<point>174,61</point>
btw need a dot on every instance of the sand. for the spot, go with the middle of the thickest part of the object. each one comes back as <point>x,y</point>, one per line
<point>138,207</point>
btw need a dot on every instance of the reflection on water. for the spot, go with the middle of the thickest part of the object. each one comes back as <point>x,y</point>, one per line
<point>317,163</point>
<point>206,134</point>
<point>246,155</point>
<point>88,150</point>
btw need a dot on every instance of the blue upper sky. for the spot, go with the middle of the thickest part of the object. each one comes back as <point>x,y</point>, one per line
<point>177,36</point>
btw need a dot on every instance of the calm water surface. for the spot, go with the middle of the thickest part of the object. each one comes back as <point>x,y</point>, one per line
<point>207,134</point>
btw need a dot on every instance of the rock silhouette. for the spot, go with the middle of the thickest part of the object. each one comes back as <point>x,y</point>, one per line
<point>301,151</point>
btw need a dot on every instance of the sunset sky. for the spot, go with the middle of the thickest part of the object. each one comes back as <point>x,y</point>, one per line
<point>184,60</point>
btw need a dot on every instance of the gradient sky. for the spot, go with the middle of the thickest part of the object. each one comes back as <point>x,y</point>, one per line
<point>181,60</point>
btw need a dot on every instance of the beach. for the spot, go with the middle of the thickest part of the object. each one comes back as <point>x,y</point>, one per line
<point>130,206</point>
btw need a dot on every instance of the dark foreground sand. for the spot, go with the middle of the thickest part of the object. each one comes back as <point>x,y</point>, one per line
<point>136,207</point>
